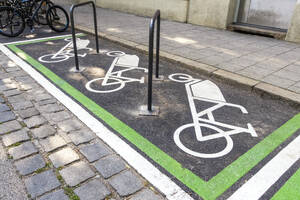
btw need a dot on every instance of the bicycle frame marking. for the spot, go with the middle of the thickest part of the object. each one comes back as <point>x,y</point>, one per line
<point>66,52</point>
<point>207,91</point>
<point>124,61</point>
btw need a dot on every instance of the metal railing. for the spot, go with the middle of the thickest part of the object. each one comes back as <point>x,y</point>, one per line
<point>73,29</point>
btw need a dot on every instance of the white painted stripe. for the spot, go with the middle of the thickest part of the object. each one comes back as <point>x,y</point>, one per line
<point>44,38</point>
<point>270,173</point>
<point>162,182</point>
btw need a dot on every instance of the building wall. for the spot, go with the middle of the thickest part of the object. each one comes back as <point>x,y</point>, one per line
<point>175,10</point>
<point>293,34</point>
<point>212,13</point>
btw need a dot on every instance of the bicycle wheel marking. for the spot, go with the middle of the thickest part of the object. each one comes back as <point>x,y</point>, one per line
<point>207,91</point>
<point>220,183</point>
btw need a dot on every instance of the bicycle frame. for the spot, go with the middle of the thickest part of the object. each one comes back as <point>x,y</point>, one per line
<point>118,74</point>
<point>207,91</point>
<point>197,117</point>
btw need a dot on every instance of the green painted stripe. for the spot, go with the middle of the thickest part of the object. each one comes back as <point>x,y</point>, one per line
<point>290,190</point>
<point>48,39</point>
<point>245,163</point>
<point>207,190</point>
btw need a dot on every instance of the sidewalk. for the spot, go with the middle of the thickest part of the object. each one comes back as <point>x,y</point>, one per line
<point>262,59</point>
<point>46,153</point>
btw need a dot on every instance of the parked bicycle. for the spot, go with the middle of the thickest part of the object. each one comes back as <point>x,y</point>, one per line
<point>16,13</point>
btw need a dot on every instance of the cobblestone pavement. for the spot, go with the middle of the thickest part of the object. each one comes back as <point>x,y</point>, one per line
<point>265,59</point>
<point>54,154</point>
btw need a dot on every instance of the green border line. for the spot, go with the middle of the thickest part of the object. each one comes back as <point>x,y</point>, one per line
<point>208,190</point>
<point>290,190</point>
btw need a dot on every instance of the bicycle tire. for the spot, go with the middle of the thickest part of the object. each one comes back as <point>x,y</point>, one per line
<point>53,19</point>
<point>5,22</point>
<point>41,18</point>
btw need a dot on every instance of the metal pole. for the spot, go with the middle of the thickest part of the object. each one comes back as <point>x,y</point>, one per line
<point>74,38</point>
<point>96,28</point>
<point>157,44</point>
<point>150,68</point>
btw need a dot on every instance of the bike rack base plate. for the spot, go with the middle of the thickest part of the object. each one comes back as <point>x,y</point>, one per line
<point>160,78</point>
<point>73,69</point>
<point>145,112</point>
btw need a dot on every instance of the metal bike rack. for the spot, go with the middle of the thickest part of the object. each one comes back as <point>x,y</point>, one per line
<point>152,110</point>
<point>73,29</point>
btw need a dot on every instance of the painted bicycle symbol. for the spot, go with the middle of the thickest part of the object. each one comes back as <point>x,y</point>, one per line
<point>207,91</point>
<point>114,79</point>
<point>66,52</point>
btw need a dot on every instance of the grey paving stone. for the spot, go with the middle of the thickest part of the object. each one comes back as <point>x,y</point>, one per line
<point>22,105</point>
<point>81,136</point>
<point>76,173</point>
<point>24,79</point>
<point>48,101</point>
<point>12,69</point>
<point>70,125</point>
<point>9,93</point>
<point>290,75</point>
<point>43,97</point>
<point>56,195</point>
<point>22,150</point>
<point>58,116</point>
<point>7,87</point>
<point>41,183</point>
<point>52,143</point>
<point>18,73</point>
<point>1,100</point>
<point>43,131</point>
<point>28,86</point>
<point>4,107</point>
<point>93,190</point>
<point>31,164</point>
<point>109,166</point>
<point>34,121</point>
<point>146,194</point>
<point>94,151</point>
<point>28,113</point>
<point>278,81</point>
<point>63,157</point>
<point>7,116</point>
<point>18,136</point>
<point>9,127</point>
<point>126,183</point>
<point>50,108</point>
<point>17,98</point>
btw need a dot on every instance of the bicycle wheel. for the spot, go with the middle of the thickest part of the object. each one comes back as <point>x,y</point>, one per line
<point>116,85</point>
<point>11,22</point>
<point>178,142</point>
<point>57,18</point>
<point>40,17</point>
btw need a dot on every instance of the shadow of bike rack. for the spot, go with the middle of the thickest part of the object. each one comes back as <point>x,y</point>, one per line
<point>149,109</point>
<point>73,29</point>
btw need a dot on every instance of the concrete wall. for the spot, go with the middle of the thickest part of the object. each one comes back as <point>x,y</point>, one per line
<point>293,34</point>
<point>212,13</point>
<point>170,9</point>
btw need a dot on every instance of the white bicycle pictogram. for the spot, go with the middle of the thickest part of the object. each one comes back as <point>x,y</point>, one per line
<point>114,79</point>
<point>207,91</point>
<point>67,51</point>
